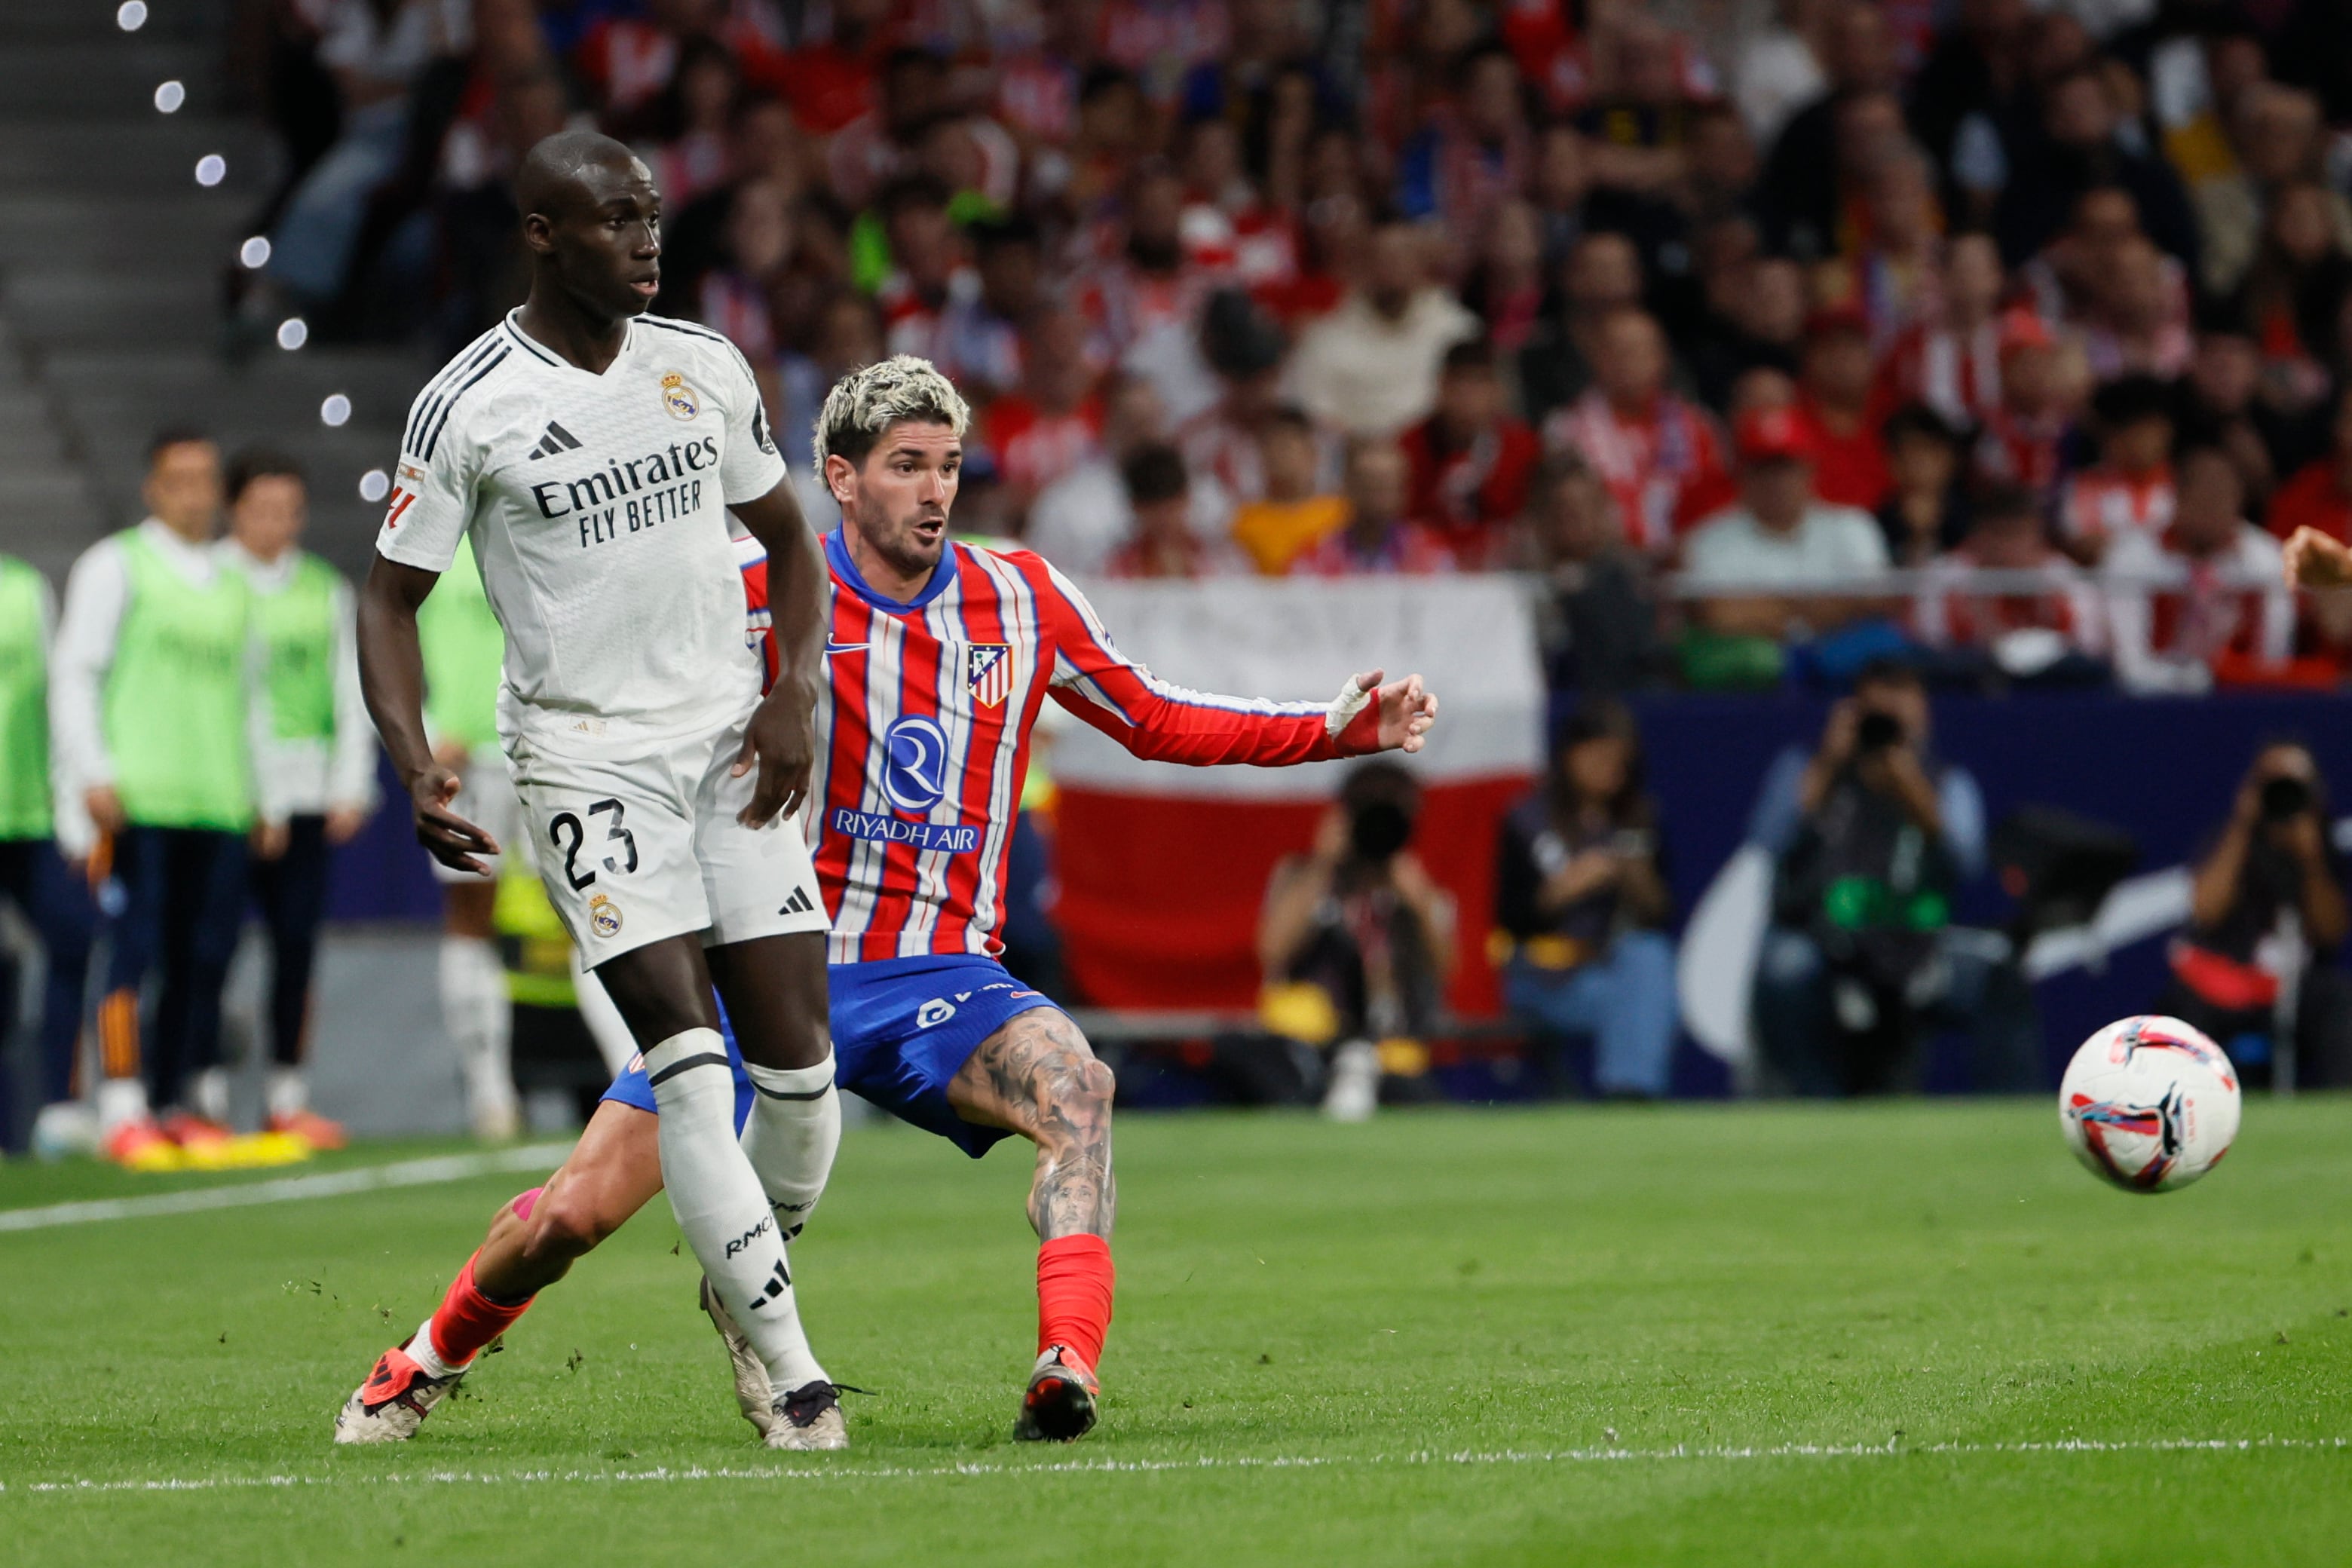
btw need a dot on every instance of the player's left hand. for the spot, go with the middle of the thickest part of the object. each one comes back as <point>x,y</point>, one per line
<point>780,742</point>
<point>1397,715</point>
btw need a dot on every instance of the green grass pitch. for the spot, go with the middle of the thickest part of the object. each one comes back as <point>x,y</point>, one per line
<point>1905,1334</point>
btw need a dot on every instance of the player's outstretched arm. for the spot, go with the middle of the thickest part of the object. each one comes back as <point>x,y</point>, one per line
<point>392,680</point>
<point>2314,559</point>
<point>780,738</point>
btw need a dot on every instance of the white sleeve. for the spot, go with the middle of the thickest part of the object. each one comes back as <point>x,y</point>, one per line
<point>351,768</point>
<point>750,467</point>
<point>431,500</point>
<point>1866,544</point>
<point>97,591</point>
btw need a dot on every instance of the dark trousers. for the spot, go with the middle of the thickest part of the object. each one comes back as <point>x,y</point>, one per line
<point>58,905</point>
<point>2322,1030</point>
<point>182,901</point>
<point>292,891</point>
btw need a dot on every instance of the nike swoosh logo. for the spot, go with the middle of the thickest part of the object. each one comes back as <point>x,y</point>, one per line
<point>831,647</point>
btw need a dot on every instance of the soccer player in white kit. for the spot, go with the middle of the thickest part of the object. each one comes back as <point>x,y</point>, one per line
<point>591,453</point>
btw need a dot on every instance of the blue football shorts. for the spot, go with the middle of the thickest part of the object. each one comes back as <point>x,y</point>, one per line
<point>902,1029</point>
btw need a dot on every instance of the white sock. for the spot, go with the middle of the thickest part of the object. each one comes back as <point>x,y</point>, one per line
<point>121,1099</point>
<point>208,1094</point>
<point>791,1134</point>
<point>289,1093</point>
<point>475,1009</point>
<point>719,1204</point>
<point>613,1041</point>
<point>426,1355</point>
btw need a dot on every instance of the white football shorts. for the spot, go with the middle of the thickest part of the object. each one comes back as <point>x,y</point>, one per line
<point>638,847</point>
<point>486,797</point>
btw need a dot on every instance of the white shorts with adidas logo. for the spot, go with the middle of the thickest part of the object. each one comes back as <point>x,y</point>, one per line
<point>638,845</point>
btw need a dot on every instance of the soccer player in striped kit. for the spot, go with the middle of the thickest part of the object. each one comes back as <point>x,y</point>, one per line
<point>938,657</point>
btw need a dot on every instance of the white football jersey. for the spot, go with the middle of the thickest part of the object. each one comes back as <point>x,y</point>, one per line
<point>597,505</point>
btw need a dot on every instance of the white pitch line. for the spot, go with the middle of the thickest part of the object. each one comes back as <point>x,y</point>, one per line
<point>1204,1462</point>
<point>292,1189</point>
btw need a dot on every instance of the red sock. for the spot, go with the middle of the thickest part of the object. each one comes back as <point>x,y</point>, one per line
<point>467,1320</point>
<point>1074,1280</point>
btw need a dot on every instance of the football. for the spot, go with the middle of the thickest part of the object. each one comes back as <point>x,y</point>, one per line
<point>2149,1103</point>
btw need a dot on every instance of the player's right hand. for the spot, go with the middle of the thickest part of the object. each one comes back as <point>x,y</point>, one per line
<point>780,742</point>
<point>447,837</point>
<point>2314,559</point>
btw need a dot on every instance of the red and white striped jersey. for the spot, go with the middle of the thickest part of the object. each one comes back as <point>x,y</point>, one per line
<point>923,737</point>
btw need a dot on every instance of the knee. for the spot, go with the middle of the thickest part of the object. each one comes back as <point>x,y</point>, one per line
<point>564,1225</point>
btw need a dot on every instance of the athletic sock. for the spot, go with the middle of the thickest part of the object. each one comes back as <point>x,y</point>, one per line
<point>464,1322</point>
<point>1074,1281</point>
<point>720,1206</point>
<point>476,1011</point>
<point>121,1099</point>
<point>791,1136</point>
<point>290,1093</point>
<point>208,1094</point>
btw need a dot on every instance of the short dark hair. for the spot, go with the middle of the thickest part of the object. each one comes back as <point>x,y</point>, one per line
<point>1995,502</point>
<point>262,463</point>
<point>176,435</point>
<point>2128,399</point>
<point>1888,669</point>
<point>1918,419</point>
<point>912,191</point>
<point>1154,472</point>
<point>1003,232</point>
<point>1290,416</point>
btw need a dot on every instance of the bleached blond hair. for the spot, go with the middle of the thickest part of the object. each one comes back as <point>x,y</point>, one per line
<point>867,402</point>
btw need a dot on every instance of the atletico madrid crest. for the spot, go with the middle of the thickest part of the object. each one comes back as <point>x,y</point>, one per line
<point>988,672</point>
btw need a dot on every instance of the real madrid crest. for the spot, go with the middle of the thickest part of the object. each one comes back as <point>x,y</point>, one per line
<point>679,398</point>
<point>604,916</point>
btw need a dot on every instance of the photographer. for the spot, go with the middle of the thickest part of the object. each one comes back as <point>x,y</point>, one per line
<point>1872,837</point>
<point>1356,940</point>
<point>2266,908</point>
<point>1581,904</point>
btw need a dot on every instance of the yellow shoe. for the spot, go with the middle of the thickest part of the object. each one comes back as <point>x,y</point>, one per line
<point>252,1151</point>
<point>140,1145</point>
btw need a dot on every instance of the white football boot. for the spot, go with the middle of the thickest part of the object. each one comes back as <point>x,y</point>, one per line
<point>394,1402</point>
<point>809,1418</point>
<point>753,1394</point>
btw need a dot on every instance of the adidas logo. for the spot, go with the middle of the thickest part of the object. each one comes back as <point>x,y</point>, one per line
<point>798,904</point>
<point>556,439</point>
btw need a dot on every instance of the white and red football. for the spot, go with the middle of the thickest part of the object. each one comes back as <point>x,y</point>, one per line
<point>2149,1103</point>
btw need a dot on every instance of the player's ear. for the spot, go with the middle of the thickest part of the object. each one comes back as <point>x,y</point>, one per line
<point>841,477</point>
<point>538,233</point>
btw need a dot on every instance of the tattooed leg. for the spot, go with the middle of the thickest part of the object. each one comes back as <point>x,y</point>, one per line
<point>1039,1078</point>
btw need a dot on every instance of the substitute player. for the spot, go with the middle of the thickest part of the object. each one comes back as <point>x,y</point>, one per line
<point>592,451</point>
<point>941,655</point>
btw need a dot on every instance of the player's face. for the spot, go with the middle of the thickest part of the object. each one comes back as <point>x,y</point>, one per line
<point>898,498</point>
<point>602,240</point>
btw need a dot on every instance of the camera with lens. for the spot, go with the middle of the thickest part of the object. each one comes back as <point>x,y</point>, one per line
<point>2283,799</point>
<point>1876,731</point>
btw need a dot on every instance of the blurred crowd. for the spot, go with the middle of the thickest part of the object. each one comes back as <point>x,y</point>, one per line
<point>1776,334</point>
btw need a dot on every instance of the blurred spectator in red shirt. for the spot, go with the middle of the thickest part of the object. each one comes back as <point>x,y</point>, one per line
<point>1163,544</point>
<point>1833,398</point>
<point>829,80</point>
<point>1471,461</point>
<point>1041,432</point>
<point>2294,297</point>
<point>2137,329</point>
<point>2023,439</point>
<point>2129,489</point>
<point>1378,538</point>
<point>1951,361</point>
<point>879,145</point>
<point>1369,367</point>
<point>1654,448</point>
<point>1506,285</point>
<point>2023,633</point>
<point>2206,598</point>
<point>1147,285</point>
<point>1895,273</point>
<point>2221,400</point>
<point>1922,515</point>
